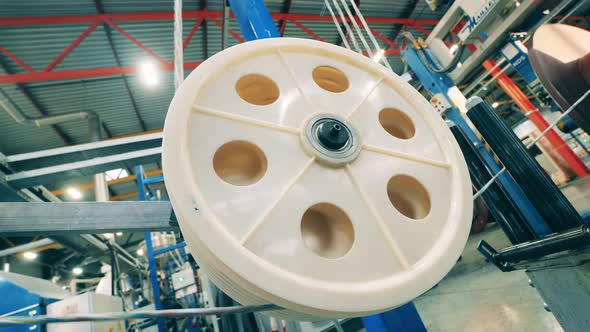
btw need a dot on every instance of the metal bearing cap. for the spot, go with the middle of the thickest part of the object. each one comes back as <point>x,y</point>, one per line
<point>332,139</point>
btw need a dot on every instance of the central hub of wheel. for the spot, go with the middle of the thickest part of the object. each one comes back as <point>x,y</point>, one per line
<point>332,134</point>
<point>332,139</point>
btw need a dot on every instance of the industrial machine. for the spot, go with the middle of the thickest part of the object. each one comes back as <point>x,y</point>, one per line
<point>26,296</point>
<point>550,238</point>
<point>270,151</point>
<point>86,303</point>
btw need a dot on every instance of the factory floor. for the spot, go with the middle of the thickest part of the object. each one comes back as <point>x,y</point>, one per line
<point>475,296</point>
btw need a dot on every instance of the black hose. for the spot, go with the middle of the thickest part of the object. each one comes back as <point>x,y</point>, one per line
<point>553,206</point>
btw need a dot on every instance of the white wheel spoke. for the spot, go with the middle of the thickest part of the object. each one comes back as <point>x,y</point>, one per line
<point>380,222</point>
<point>244,119</point>
<point>406,156</point>
<point>294,78</point>
<point>287,188</point>
<point>356,108</point>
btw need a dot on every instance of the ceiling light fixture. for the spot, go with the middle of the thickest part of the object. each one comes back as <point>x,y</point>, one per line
<point>74,193</point>
<point>30,255</point>
<point>149,73</point>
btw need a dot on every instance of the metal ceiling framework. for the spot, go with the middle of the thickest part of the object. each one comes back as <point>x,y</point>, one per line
<point>202,16</point>
<point>100,9</point>
<point>110,19</point>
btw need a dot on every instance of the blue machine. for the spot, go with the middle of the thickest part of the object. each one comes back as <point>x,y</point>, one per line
<point>27,296</point>
<point>440,84</point>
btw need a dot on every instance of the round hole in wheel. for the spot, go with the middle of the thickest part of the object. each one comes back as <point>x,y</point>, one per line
<point>327,230</point>
<point>330,79</point>
<point>239,163</point>
<point>408,196</point>
<point>257,89</point>
<point>397,123</point>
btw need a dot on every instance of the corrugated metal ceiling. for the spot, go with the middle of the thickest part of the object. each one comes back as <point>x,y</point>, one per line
<point>109,96</point>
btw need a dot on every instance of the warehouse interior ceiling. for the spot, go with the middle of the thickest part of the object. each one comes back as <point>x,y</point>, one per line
<point>124,103</point>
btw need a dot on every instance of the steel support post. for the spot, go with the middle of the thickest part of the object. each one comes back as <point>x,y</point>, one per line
<point>149,248</point>
<point>154,279</point>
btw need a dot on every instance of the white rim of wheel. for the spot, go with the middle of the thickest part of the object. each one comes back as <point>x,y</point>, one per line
<point>439,167</point>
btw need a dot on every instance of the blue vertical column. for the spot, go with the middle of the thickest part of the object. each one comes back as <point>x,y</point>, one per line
<point>150,251</point>
<point>154,279</point>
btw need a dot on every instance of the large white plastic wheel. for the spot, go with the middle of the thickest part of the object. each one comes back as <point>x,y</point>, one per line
<point>272,219</point>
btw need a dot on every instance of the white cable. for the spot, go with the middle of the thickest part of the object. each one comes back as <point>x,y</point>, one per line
<point>382,58</point>
<point>364,23</point>
<point>358,29</point>
<point>489,184</point>
<point>569,110</point>
<point>350,33</point>
<point>340,32</point>
<point>571,12</point>
<point>348,30</point>
<point>144,314</point>
<point>178,51</point>
<point>559,119</point>
<point>493,78</point>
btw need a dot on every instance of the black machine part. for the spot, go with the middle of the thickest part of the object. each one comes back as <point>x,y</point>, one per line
<point>508,259</point>
<point>506,214</point>
<point>552,205</point>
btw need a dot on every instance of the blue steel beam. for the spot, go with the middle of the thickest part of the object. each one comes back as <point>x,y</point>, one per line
<point>141,185</point>
<point>254,19</point>
<point>154,279</point>
<point>180,245</point>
